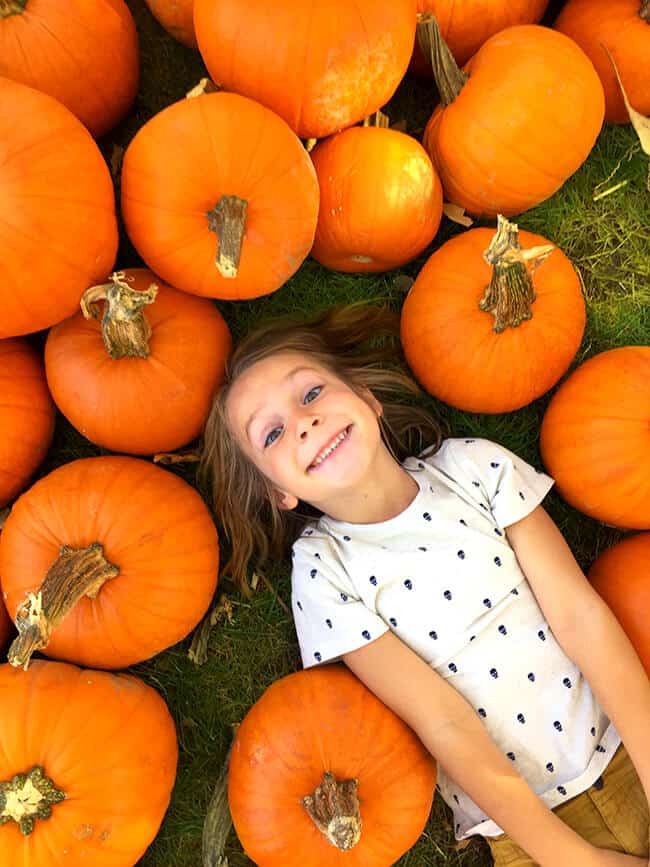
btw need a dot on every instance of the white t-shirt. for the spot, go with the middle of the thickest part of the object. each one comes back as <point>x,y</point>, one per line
<point>442,576</point>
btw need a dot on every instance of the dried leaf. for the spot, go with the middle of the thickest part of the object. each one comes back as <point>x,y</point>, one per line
<point>456,214</point>
<point>399,125</point>
<point>218,822</point>
<point>4,514</point>
<point>116,160</point>
<point>462,844</point>
<point>222,609</point>
<point>640,123</point>
<point>190,456</point>
<point>403,283</point>
<point>310,144</point>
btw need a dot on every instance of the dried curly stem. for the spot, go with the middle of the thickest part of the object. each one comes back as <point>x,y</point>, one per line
<point>75,573</point>
<point>334,809</point>
<point>125,330</point>
<point>450,80</point>
<point>510,292</point>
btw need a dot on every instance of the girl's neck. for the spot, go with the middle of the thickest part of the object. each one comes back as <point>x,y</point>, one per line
<point>387,492</point>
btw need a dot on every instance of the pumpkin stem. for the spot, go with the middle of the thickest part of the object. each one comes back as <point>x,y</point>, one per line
<point>75,573</point>
<point>378,119</point>
<point>228,221</point>
<point>510,293</point>
<point>450,80</point>
<point>28,797</point>
<point>11,7</point>
<point>644,11</point>
<point>334,809</point>
<point>125,331</point>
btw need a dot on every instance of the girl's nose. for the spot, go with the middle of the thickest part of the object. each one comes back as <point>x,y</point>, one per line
<point>306,423</point>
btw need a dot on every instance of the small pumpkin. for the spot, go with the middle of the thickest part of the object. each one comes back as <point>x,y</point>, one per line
<point>621,575</point>
<point>513,126</point>
<point>493,320</point>
<point>167,354</point>
<point>320,66</point>
<point>466,24</point>
<point>26,416</point>
<point>623,28</point>
<point>62,235</point>
<point>87,766</point>
<point>85,55</point>
<point>212,210</point>
<point>123,559</point>
<point>595,437</point>
<point>177,17</point>
<point>380,199</point>
<point>323,773</point>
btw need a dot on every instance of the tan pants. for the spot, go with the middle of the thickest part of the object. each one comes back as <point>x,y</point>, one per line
<point>612,817</point>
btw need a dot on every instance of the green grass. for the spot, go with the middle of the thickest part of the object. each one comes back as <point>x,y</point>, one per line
<point>608,241</point>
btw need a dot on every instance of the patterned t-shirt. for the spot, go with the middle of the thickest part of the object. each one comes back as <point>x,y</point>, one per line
<point>442,576</point>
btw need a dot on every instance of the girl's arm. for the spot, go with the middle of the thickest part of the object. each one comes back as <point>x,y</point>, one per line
<point>587,631</point>
<point>450,729</point>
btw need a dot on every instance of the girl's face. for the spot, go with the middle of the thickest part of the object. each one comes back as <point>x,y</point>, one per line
<point>308,432</point>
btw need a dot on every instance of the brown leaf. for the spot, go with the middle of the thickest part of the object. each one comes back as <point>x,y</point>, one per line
<point>165,458</point>
<point>456,214</point>
<point>116,160</point>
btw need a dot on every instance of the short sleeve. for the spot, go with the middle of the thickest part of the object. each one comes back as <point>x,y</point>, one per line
<point>511,487</point>
<point>329,616</point>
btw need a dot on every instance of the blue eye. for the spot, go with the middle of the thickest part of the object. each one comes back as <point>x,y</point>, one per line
<point>272,436</point>
<point>315,391</point>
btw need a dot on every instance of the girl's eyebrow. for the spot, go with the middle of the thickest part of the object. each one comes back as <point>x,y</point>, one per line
<point>290,375</point>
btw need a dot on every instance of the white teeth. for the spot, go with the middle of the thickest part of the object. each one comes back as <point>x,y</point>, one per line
<point>328,451</point>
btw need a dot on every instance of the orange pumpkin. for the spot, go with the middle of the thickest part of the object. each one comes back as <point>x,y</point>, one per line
<point>623,27</point>
<point>466,24</point>
<point>123,559</point>
<point>380,200</point>
<point>513,127</point>
<point>321,66</point>
<point>595,437</point>
<point>219,197</point>
<point>62,235</point>
<point>621,575</point>
<point>26,416</point>
<point>323,728</point>
<point>155,392</point>
<point>177,17</point>
<point>85,55</point>
<point>87,766</point>
<point>483,333</point>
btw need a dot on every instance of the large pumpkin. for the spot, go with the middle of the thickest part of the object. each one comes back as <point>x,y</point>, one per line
<point>321,732</point>
<point>84,54</point>
<point>480,331</point>
<point>129,556</point>
<point>60,231</point>
<point>87,765</point>
<point>623,27</point>
<point>466,24</point>
<point>177,17</point>
<point>621,575</point>
<point>26,416</point>
<point>219,197</point>
<point>321,66</point>
<point>380,200</point>
<point>595,437</point>
<point>514,125</point>
<point>147,389</point>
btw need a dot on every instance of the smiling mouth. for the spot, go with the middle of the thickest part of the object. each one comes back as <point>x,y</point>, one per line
<point>334,443</point>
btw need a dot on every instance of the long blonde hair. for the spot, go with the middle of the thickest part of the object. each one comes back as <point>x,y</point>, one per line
<point>343,340</point>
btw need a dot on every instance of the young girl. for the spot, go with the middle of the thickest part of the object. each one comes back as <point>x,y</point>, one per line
<point>443,585</point>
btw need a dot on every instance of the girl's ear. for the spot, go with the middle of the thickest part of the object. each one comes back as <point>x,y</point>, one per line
<point>284,500</point>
